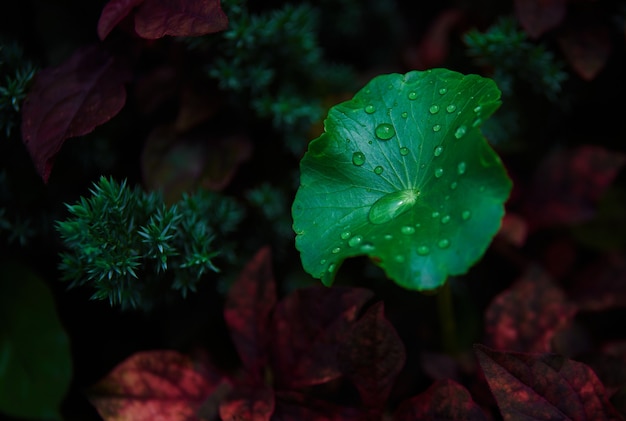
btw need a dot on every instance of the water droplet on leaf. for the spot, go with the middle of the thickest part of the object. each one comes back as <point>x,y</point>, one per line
<point>355,241</point>
<point>345,235</point>
<point>407,229</point>
<point>438,150</point>
<point>392,204</point>
<point>436,127</point>
<point>460,132</point>
<point>461,168</point>
<point>385,131</point>
<point>370,109</point>
<point>465,215</point>
<point>451,108</point>
<point>412,95</point>
<point>336,250</point>
<point>404,114</point>
<point>358,158</point>
<point>438,172</point>
<point>367,248</point>
<point>404,151</point>
<point>435,214</point>
<point>423,250</point>
<point>444,243</point>
<point>399,258</point>
<point>445,219</point>
<point>434,109</point>
<point>442,91</point>
<point>378,170</point>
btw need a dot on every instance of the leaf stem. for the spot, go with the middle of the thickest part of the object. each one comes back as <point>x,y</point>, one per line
<point>446,319</point>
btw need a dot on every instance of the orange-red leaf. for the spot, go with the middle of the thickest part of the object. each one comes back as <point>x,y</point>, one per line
<point>544,387</point>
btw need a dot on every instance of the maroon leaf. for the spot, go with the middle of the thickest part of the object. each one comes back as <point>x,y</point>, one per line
<point>248,405</point>
<point>309,325</point>
<point>569,183</point>
<point>372,355</point>
<point>293,406</point>
<point>587,49</point>
<point>71,100</point>
<point>113,13</point>
<point>180,18</point>
<point>526,316</point>
<point>247,312</point>
<point>154,382</point>
<point>539,16</point>
<point>544,387</point>
<point>602,285</point>
<point>444,400</point>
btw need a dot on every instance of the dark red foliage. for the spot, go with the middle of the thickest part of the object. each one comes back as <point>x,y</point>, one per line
<point>294,406</point>
<point>158,18</point>
<point>586,49</point>
<point>247,312</point>
<point>544,387</point>
<point>569,183</point>
<point>71,100</point>
<point>444,400</point>
<point>526,316</point>
<point>602,285</point>
<point>245,404</point>
<point>539,16</point>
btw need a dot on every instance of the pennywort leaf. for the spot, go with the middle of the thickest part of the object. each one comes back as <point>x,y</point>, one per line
<point>403,174</point>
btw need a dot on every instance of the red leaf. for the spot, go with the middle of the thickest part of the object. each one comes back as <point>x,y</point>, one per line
<point>248,405</point>
<point>308,325</point>
<point>247,312</point>
<point>587,49</point>
<point>113,13</point>
<point>71,100</point>
<point>526,316</point>
<point>544,387</point>
<point>514,229</point>
<point>569,183</point>
<point>293,406</point>
<point>372,355</point>
<point>539,16</point>
<point>444,400</point>
<point>602,285</point>
<point>179,18</point>
<point>153,382</point>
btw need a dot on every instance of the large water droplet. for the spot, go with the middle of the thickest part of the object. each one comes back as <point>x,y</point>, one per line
<point>355,241</point>
<point>385,131</point>
<point>434,109</point>
<point>444,243</point>
<point>370,109</point>
<point>407,229</point>
<point>423,250</point>
<point>378,170</point>
<point>345,235</point>
<point>438,151</point>
<point>392,205</point>
<point>404,151</point>
<point>460,132</point>
<point>412,95</point>
<point>436,127</point>
<point>461,168</point>
<point>438,172</point>
<point>465,215</point>
<point>358,158</point>
<point>451,108</point>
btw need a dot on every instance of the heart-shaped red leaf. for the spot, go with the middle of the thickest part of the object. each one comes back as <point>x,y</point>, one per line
<point>71,100</point>
<point>372,355</point>
<point>444,400</point>
<point>180,18</point>
<point>113,13</point>
<point>247,312</point>
<point>544,387</point>
<point>154,382</point>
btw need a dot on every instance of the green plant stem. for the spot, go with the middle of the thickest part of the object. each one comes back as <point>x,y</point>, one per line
<point>446,319</point>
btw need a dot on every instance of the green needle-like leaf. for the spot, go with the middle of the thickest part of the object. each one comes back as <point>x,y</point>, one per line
<point>403,174</point>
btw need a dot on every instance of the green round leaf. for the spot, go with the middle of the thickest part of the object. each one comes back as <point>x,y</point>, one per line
<point>403,174</point>
<point>35,359</point>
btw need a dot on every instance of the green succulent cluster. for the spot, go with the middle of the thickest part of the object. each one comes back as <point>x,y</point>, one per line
<point>15,75</point>
<point>132,248</point>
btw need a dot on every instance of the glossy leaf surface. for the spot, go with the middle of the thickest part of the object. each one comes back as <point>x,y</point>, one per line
<point>403,174</point>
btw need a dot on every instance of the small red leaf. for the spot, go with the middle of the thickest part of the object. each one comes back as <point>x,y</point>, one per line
<point>247,311</point>
<point>113,13</point>
<point>371,355</point>
<point>526,316</point>
<point>71,100</point>
<point>180,18</point>
<point>153,382</point>
<point>586,49</point>
<point>539,16</point>
<point>602,285</point>
<point>569,183</point>
<point>308,325</point>
<point>444,400</point>
<point>248,405</point>
<point>544,387</point>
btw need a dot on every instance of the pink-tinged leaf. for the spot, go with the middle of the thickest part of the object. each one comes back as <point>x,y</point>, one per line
<point>309,324</point>
<point>569,183</point>
<point>71,100</point>
<point>526,316</point>
<point>544,387</point>
<point>113,13</point>
<point>371,355</point>
<point>293,406</point>
<point>443,401</point>
<point>148,383</point>
<point>180,18</point>
<point>586,49</point>
<point>539,16</point>
<point>246,404</point>
<point>247,312</point>
<point>602,285</point>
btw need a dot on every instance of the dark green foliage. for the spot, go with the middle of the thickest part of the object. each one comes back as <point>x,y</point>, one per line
<point>15,76</point>
<point>514,58</point>
<point>132,248</point>
<point>266,61</point>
